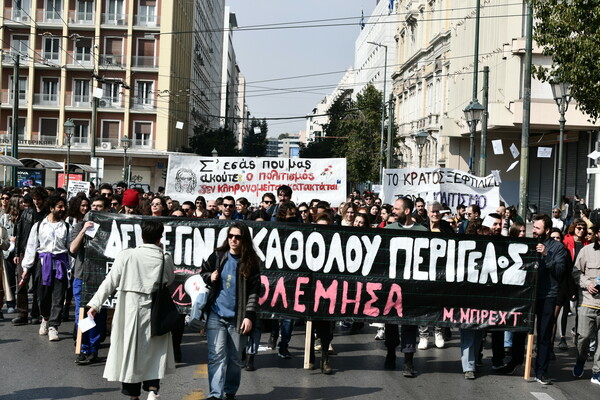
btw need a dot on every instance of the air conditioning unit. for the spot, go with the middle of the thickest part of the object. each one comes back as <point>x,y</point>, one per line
<point>106,145</point>
<point>109,60</point>
<point>103,103</point>
<point>24,18</point>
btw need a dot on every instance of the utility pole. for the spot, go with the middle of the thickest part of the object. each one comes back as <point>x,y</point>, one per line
<point>390,146</point>
<point>15,117</point>
<point>484,122</point>
<point>524,168</point>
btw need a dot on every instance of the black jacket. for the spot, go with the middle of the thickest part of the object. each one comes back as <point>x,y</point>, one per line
<point>247,289</point>
<point>26,221</point>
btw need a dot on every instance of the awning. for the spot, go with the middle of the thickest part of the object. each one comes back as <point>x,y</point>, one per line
<point>34,162</point>
<point>10,161</point>
<point>83,167</point>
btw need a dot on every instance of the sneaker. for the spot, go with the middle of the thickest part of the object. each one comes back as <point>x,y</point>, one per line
<point>43,328</point>
<point>578,368</point>
<point>562,345</point>
<point>331,351</point>
<point>285,354</point>
<point>544,380</point>
<point>408,371</point>
<point>53,334</point>
<point>11,310</point>
<point>439,340</point>
<point>470,375</point>
<point>20,321</point>
<point>152,395</point>
<point>596,378</point>
<point>81,359</point>
<point>390,361</point>
<point>423,343</point>
<point>380,334</point>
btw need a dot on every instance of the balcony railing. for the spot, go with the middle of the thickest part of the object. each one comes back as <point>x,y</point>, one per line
<point>6,97</point>
<point>53,57</point>
<point>45,99</point>
<point>79,59</point>
<point>149,21</point>
<point>49,16</point>
<point>8,57</point>
<point>78,100</point>
<point>81,18</point>
<point>143,104</point>
<point>145,61</point>
<point>142,143</point>
<point>114,19</point>
<point>112,60</point>
<point>110,102</point>
<point>15,16</point>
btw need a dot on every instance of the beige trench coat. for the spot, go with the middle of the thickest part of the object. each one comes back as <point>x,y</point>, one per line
<point>134,355</point>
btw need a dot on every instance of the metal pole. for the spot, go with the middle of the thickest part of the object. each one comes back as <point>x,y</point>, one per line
<point>476,52</point>
<point>390,146</point>
<point>93,133</point>
<point>125,165</point>
<point>561,139</point>
<point>420,156</point>
<point>472,128</point>
<point>484,121</point>
<point>381,155</point>
<point>15,121</point>
<point>68,160</point>
<point>524,164</point>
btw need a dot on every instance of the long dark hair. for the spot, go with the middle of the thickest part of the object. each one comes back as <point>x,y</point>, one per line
<point>249,261</point>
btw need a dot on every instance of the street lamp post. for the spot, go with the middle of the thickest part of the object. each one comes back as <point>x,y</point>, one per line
<point>421,138</point>
<point>69,127</point>
<point>125,142</point>
<point>562,96</point>
<point>473,113</point>
<point>382,109</point>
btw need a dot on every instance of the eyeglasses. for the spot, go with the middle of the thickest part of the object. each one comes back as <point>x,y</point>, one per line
<point>199,202</point>
<point>233,236</point>
<point>228,205</point>
<point>303,211</point>
<point>105,194</point>
<point>114,203</point>
<point>268,201</point>
<point>579,227</point>
<point>5,198</point>
<point>186,209</point>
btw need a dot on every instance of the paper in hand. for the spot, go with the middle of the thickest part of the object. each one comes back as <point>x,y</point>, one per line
<point>86,324</point>
<point>91,232</point>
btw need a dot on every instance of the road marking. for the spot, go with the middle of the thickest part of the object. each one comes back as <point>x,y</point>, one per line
<point>542,396</point>
<point>201,371</point>
<point>196,395</point>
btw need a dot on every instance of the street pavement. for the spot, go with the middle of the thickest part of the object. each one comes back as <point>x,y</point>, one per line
<point>33,368</point>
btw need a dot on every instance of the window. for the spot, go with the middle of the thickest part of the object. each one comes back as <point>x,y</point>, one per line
<point>147,13</point>
<point>81,92</point>
<point>49,95</point>
<point>82,131</point>
<point>52,49</point>
<point>21,11</point>
<point>143,93</point>
<point>112,94</point>
<point>20,45</point>
<point>113,51</point>
<point>114,13</point>
<point>142,133</point>
<point>53,11</point>
<point>145,53</point>
<point>110,131</point>
<point>85,11</point>
<point>22,89</point>
<point>83,51</point>
<point>21,128</point>
<point>48,129</point>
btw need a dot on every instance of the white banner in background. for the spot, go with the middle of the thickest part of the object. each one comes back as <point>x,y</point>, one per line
<point>446,185</point>
<point>251,177</point>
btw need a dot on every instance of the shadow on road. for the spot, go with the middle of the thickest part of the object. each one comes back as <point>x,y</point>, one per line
<point>314,393</point>
<point>64,392</point>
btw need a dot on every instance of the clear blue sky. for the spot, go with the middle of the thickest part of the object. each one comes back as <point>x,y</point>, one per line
<point>265,54</point>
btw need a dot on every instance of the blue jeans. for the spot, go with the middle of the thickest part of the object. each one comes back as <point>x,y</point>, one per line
<point>225,346</point>
<point>287,325</point>
<point>470,342</point>
<point>90,340</point>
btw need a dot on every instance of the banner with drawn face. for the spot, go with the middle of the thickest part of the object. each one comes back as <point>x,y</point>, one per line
<point>323,272</point>
<point>251,177</point>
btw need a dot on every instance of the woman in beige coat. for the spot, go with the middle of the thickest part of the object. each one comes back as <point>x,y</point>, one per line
<point>134,355</point>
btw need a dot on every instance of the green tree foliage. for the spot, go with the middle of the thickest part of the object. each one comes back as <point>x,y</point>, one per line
<point>206,139</point>
<point>255,144</point>
<point>569,32</point>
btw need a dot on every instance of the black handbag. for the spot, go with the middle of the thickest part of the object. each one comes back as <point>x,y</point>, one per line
<point>164,315</point>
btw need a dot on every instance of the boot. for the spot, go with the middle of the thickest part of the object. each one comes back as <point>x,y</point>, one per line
<point>250,363</point>
<point>325,367</point>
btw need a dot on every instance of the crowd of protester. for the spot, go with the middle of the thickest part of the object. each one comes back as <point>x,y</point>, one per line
<point>569,251</point>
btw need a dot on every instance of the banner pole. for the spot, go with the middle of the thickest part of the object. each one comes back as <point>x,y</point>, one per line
<point>307,342</point>
<point>527,375</point>
<point>79,334</point>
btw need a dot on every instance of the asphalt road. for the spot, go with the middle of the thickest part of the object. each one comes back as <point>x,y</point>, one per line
<point>33,368</point>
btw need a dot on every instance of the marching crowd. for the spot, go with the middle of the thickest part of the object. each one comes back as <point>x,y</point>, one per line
<point>43,239</point>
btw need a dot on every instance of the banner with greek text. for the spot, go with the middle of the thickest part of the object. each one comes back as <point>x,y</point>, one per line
<point>446,185</point>
<point>251,177</point>
<point>323,272</point>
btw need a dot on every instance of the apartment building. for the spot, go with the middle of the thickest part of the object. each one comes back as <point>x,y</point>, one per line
<point>433,83</point>
<point>129,57</point>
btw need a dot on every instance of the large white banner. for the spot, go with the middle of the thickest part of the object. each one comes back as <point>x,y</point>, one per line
<point>251,177</point>
<point>446,185</point>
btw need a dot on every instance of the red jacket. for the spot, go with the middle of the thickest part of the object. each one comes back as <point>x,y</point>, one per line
<point>569,243</point>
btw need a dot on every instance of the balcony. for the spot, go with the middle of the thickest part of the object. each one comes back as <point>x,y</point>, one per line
<point>78,101</point>
<point>147,21</point>
<point>114,19</point>
<point>8,57</point>
<point>6,98</point>
<point>45,99</point>
<point>112,60</point>
<point>81,60</point>
<point>142,143</point>
<point>145,62</point>
<point>15,17</point>
<point>81,18</point>
<point>51,57</point>
<point>110,102</point>
<point>49,17</point>
<point>143,104</point>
